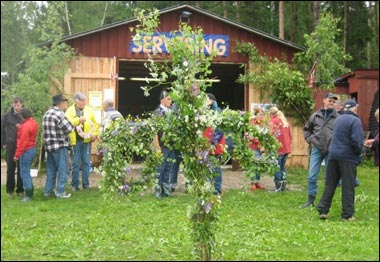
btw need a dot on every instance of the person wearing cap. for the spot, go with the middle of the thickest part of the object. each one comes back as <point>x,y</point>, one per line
<point>345,154</point>
<point>281,131</point>
<point>9,122</point>
<point>56,129</point>
<point>318,132</point>
<point>168,170</point>
<point>26,150</point>
<point>86,131</point>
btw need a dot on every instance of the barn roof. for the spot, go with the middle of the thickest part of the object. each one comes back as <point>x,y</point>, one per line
<point>194,9</point>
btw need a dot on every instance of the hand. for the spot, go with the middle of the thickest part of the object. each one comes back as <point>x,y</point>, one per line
<point>15,159</point>
<point>82,119</point>
<point>368,142</point>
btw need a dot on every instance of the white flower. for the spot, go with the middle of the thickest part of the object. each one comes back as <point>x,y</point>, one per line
<point>185,64</point>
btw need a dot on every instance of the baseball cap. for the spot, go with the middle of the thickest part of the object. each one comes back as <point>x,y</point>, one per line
<point>350,103</point>
<point>331,95</point>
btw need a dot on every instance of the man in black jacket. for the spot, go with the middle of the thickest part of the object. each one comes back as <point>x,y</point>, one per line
<point>345,154</point>
<point>318,132</point>
<point>9,122</point>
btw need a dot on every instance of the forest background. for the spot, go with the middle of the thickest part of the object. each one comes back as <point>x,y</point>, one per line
<point>22,23</point>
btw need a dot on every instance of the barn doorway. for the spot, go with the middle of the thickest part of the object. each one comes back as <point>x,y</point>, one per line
<point>131,99</point>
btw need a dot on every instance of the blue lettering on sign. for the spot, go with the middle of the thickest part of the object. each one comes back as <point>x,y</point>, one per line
<point>157,44</point>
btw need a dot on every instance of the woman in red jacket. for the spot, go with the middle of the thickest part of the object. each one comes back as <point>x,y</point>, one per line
<point>26,150</point>
<point>281,130</point>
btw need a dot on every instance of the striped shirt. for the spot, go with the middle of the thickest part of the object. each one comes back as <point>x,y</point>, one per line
<point>56,129</point>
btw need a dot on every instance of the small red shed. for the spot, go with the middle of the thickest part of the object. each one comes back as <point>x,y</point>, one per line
<point>361,85</point>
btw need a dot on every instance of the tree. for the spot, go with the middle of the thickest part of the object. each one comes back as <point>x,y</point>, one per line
<point>323,48</point>
<point>45,66</point>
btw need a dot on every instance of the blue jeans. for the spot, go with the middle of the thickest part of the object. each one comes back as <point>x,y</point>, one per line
<point>281,174</point>
<point>257,176</point>
<point>82,155</point>
<point>26,160</point>
<point>316,159</point>
<point>163,171</point>
<point>57,161</point>
<point>218,179</point>
<point>174,167</point>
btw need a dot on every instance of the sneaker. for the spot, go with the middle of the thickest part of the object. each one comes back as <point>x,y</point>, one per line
<point>63,195</point>
<point>253,186</point>
<point>323,216</point>
<point>349,219</point>
<point>75,188</point>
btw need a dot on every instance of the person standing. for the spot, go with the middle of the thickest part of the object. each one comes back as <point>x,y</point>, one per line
<point>26,150</point>
<point>255,145</point>
<point>281,130</point>
<point>9,122</point>
<point>111,114</point>
<point>318,132</point>
<point>86,130</point>
<point>168,170</point>
<point>218,141</point>
<point>374,143</point>
<point>56,130</point>
<point>345,154</point>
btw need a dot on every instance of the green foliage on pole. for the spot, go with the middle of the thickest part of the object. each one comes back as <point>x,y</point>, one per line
<point>188,69</point>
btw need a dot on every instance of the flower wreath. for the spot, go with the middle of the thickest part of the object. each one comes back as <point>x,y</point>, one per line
<point>83,134</point>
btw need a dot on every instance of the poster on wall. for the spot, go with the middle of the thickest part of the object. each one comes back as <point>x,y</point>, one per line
<point>95,99</point>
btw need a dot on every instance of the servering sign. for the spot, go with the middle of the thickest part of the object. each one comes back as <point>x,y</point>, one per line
<point>157,43</point>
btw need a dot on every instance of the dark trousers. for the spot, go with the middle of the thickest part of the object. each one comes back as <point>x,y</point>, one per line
<point>339,169</point>
<point>11,170</point>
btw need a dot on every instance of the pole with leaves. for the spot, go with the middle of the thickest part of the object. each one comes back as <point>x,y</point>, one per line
<point>186,70</point>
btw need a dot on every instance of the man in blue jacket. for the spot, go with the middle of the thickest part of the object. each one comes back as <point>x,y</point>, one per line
<point>345,154</point>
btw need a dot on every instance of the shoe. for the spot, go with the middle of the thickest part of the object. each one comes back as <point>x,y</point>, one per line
<point>20,194</point>
<point>10,194</point>
<point>259,186</point>
<point>349,219</point>
<point>253,186</point>
<point>323,216</point>
<point>157,191</point>
<point>173,189</point>
<point>74,188</point>
<point>51,194</point>
<point>26,199</point>
<point>63,195</point>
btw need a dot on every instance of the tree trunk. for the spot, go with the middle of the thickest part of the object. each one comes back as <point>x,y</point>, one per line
<point>281,20</point>
<point>237,11</point>
<point>292,21</point>
<point>369,40</point>
<point>315,13</point>
<point>345,26</point>
<point>104,13</point>
<point>225,11</point>
<point>67,18</point>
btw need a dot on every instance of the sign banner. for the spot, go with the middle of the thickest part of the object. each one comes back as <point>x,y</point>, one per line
<point>157,44</point>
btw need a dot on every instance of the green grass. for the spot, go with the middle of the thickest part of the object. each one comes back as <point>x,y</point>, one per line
<point>252,226</point>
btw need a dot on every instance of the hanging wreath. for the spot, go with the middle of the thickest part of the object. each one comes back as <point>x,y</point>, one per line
<point>83,134</point>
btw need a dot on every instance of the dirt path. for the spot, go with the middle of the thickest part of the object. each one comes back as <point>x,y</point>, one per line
<point>231,179</point>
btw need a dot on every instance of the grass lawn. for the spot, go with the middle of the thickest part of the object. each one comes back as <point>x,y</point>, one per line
<point>252,226</point>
